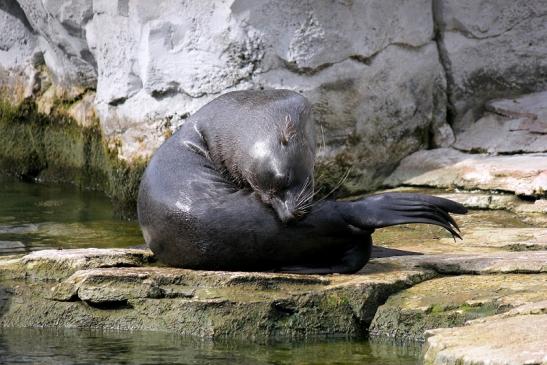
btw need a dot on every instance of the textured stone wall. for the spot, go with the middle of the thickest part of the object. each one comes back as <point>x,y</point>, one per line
<point>491,49</point>
<point>386,77</point>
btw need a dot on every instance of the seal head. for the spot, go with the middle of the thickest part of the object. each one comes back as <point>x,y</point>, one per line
<point>281,171</point>
<point>269,149</point>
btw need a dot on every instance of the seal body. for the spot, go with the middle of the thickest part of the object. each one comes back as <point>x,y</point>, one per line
<point>232,189</point>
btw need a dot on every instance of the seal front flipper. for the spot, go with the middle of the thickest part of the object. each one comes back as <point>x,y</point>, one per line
<point>389,209</point>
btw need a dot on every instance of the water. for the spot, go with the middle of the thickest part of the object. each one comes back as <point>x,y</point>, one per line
<point>44,346</point>
<point>36,216</point>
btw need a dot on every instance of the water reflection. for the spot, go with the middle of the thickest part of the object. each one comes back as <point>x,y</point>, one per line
<point>36,216</point>
<point>47,346</point>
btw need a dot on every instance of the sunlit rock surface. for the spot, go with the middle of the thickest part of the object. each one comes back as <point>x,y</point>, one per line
<point>202,303</point>
<point>511,126</point>
<point>502,151</point>
<point>497,134</point>
<point>449,168</point>
<point>488,289</point>
<point>515,337</point>
<point>124,291</point>
<point>57,264</point>
<point>500,262</point>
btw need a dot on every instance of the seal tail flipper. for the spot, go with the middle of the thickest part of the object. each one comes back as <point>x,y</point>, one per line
<point>389,209</point>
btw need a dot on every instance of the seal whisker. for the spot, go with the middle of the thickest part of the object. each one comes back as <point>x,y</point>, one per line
<point>303,188</point>
<point>342,180</point>
<point>304,206</point>
<point>308,201</point>
<point>305,199</point>
<point>323,137</point>
<point>309,195</point>
<point>300,197</point>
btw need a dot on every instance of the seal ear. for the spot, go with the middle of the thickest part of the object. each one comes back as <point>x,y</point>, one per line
<point>288,131</point>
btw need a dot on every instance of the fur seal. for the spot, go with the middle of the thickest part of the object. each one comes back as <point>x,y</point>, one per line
<point>232,189</point>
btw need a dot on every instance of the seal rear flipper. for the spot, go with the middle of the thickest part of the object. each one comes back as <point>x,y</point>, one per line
<point>389,209</point>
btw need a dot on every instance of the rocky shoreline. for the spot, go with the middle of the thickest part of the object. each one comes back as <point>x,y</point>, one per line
<point>457,302</point>
<point>405,95</point>
<point>482,300</point>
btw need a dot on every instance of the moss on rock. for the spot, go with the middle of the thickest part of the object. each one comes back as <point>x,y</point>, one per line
<point>55,148</point>
<point>452,301</point>
<point>120,289</point>
<point>331,176</point>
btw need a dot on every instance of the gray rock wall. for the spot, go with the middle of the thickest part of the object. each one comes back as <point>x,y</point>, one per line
<point>491,49</point>
<point>372,68</point>
<point>17,45</point>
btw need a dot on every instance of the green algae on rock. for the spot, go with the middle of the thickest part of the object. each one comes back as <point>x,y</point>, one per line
<point>118,289</point>
<point>452,301</point>
<point>55,148</point>
<point>121,289</point>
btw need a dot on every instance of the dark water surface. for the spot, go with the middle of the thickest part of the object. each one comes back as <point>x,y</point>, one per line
<point>37,216</point>
<point>45,346</point>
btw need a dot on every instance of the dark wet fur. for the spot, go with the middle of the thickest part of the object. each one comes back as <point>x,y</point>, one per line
<point>198,207</point>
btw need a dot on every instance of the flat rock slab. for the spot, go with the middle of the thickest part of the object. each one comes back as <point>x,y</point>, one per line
<point>58,264</point>
<point>512,126</point>
<point>495,341</point>
<point>482,230</point>
<point>485,200</point>
<point>528,262</point>
<point>449,168</point>
<point>530,308</point>
<point>497,201</point>
<point>202,303</point>
<point>85,289</point>
<point>452,301</point>
<point>481,200</point>
<point>11,246</point>
<point>497,134</point>
<point>515,239</point>
<point>531,106</point>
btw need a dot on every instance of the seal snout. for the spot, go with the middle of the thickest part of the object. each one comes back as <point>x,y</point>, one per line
<point>284,210</point>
